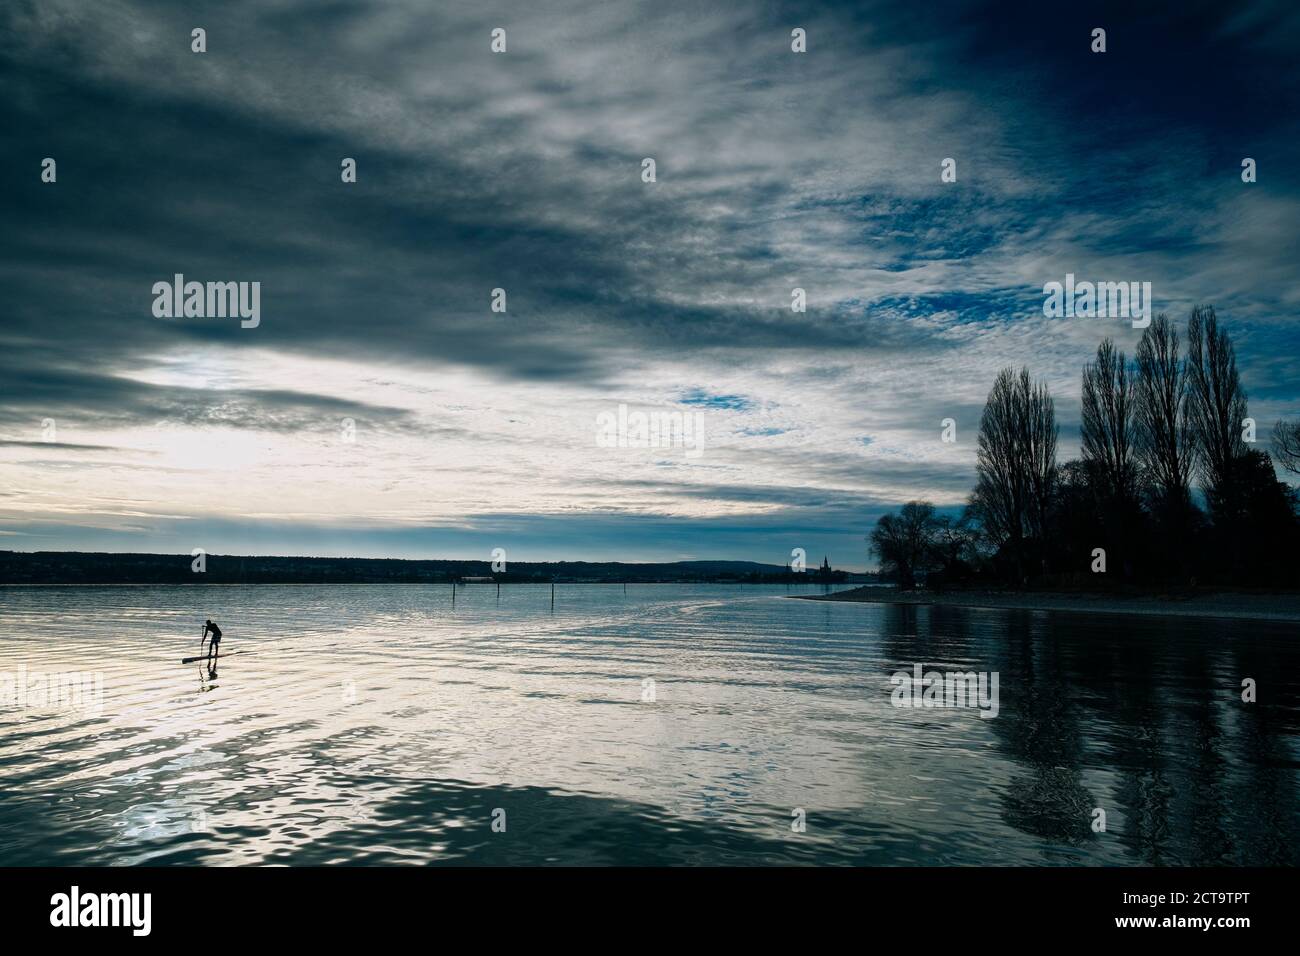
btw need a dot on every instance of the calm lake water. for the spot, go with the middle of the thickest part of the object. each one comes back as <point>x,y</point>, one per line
<point>381,725</point>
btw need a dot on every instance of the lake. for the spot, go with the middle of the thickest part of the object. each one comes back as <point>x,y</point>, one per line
<point>673,724</point>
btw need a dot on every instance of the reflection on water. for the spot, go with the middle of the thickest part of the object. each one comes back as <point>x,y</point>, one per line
<point>382,724</point>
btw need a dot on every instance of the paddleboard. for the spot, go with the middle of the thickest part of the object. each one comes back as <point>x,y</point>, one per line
<point>204,657</point>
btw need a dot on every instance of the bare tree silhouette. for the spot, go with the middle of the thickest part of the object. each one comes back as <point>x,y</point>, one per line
<point>1016,463</point>
<point>1286,445</point>
<point>1107,426</point>
<point>1218,406</point>
<point>1164,437</point>
<point>907,542</point>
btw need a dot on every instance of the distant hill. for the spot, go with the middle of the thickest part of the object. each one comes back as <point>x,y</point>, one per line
<point>81,567</point>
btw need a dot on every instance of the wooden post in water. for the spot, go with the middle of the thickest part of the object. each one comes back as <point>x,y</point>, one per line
<point>552,595</point>
<point>453,592</point>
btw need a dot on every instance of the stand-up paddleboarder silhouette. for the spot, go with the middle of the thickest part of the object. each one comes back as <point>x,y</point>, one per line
<point>214,646</point>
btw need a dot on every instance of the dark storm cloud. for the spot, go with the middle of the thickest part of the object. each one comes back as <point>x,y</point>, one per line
<point>827,500</point>
<point>93,399</point>
<point>157,178</point>
<point>56,446</point>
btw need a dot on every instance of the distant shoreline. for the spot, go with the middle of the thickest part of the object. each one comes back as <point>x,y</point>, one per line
<point>473,585</point>
<point>98,568</point>
<point>1282,606</point>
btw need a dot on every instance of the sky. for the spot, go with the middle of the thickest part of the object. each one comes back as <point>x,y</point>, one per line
<point>523,171</point>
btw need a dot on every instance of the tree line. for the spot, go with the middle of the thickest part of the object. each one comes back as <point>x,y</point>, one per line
<point>1167,490</point>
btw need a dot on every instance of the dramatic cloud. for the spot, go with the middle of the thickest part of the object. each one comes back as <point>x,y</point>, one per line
<point>381,406</point>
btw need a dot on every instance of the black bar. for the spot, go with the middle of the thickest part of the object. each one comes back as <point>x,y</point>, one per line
<point>943,906</point>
